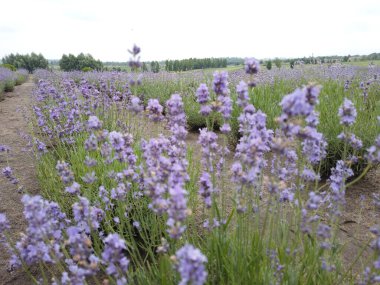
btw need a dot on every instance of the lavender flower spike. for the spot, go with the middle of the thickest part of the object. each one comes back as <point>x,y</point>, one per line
<point>347,113</point>
<point>191,265</point>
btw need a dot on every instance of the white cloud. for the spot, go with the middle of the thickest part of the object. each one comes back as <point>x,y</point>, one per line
<point>181,29</point>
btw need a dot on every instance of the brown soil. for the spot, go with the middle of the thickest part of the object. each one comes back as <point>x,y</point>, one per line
<point>12,126</point>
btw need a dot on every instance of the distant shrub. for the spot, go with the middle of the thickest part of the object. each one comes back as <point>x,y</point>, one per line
<point>269,65</point>
<point>21,76</point>
<point>87,69</point>
<point>9,66</point>
<point>9,85</point>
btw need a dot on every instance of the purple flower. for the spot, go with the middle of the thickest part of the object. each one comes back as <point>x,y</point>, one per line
<point>206,188</point>
<point>135,105</point>
<point>4,223</point>
<point>202,94</point>
<point>242,92</point>
<point>251,66</point>
<point>226,128</point>
<point>73,189</point>
<point>155,110</point>
<point>373,155</point>
<point>45,224</point>
<point>91,144</point>
<point>190,265</point>
<point>116,140</point>
<point>114,258</point>
<point>220,83</point>
<point>94,123</point>
<point>314,201</point>
<point>347,113</point>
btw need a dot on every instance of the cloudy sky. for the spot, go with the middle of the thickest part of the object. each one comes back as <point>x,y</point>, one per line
<point>176,29</point>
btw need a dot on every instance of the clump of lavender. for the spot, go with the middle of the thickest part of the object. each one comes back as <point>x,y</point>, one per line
<point>154,110</point>
<point>190,263</point>
<point>8,174</point>
<point>87,217</point>
<point>203,97</point>
<point>373,154</point>
<point>43,235</point>
<point>210,149</point>
<point>67,177</point>
<point>347,113</point>
<point>177,210</point>
<point>134,62</point>
<point>113,257</point>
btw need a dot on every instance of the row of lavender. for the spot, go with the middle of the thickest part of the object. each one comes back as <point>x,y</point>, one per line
<point>360,85</point>
<point>118,207</point>
<point>9,79</point>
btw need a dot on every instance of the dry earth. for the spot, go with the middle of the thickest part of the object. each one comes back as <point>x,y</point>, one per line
<point>12,126</point>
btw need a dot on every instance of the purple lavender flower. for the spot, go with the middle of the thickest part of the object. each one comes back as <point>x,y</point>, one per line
<point>155,110</point>
<point>5,148</point>
<point>94,123</point>
<point>373,154</point>
<point>73,189</point>
<point>242,92</point>
<point>89,177</point>
<point>220,83</point>
<point>190,265</point>
<point>4,223</point>
<point>87,217</point>
<point>45,224</point>
<point>8,173</point>
<point>91,144</point>
<point>135,105</point>
<point>114,258</point>
<point>347,113</point>
<point>251,66</point>
<point>116,140</point>
<point>64,171</point>
<point>202,94</point>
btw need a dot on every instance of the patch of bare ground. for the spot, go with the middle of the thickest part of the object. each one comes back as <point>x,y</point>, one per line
<point>12,125</point>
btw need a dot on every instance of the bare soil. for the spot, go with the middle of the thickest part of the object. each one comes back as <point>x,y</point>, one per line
<point>12,126</point>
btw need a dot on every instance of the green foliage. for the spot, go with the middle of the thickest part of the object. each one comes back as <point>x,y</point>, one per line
<point>72,62</point>
<point>268,65</point>
<point>9,85</point>
<point>29,62</point>
<point>155,66</point>
<point>195,63</point>
<point>87,69</point>
<point>277,62</point>
<point>291,63</point>
<point>9,66</point>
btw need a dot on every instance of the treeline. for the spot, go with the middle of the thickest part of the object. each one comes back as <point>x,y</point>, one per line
<point>194,63</point>
<point>83,62</point>
<point>30,62</point>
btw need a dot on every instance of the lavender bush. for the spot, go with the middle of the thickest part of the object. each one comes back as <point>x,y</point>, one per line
<point>122,206</point>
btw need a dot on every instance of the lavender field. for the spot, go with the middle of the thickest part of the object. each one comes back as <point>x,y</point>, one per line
<point>257,198</point>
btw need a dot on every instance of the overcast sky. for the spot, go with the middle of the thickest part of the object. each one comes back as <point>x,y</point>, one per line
<point>166,29</point>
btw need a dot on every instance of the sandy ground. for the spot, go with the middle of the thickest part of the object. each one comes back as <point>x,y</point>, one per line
<point>12,125</point>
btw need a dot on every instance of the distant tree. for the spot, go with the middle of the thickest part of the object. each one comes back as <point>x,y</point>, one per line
<point>277,62</point>
<point>144,67</point>
<point>291,63</point>
<point>29,62</point>
<point>72,62</point>
<point>269,65</point>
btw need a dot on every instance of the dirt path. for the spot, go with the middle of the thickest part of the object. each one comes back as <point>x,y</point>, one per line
<point>12,125</point>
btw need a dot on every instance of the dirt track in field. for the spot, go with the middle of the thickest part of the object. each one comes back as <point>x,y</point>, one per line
<point>12,126</point>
